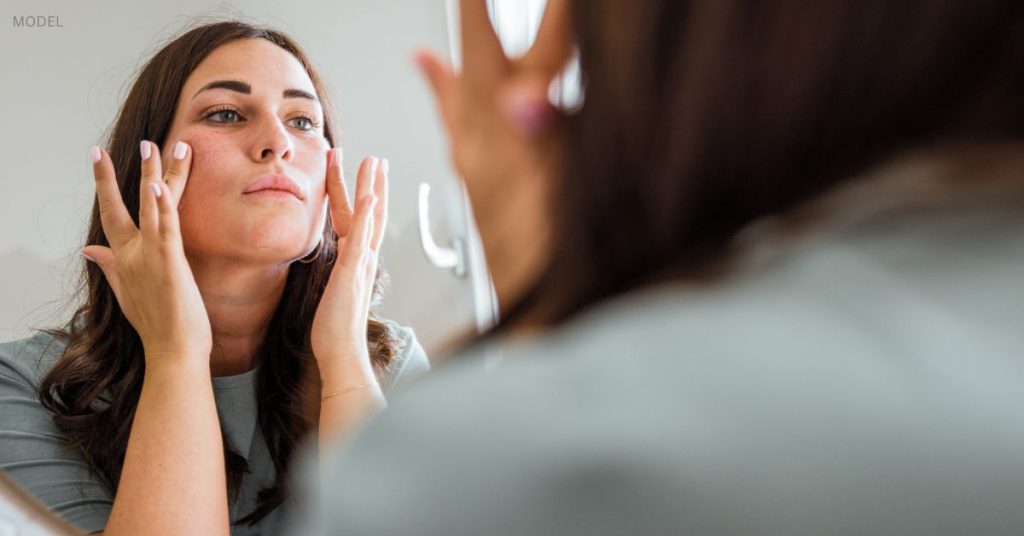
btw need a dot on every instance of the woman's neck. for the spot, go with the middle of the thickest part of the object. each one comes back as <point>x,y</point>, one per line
<point>240,301</point>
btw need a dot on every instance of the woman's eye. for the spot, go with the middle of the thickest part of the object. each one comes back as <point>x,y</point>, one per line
<point>302,123</point>
<point>223,116</point>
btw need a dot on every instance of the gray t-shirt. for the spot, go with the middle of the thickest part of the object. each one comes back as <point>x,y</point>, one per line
<point>32,447</point>
<point>868,383</point>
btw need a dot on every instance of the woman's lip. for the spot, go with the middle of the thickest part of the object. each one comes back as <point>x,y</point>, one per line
<point>276,182</point>
<point>274,192</point>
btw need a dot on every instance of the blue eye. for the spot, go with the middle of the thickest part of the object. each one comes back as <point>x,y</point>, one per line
<point>226,115</point>
<point>304,123</point>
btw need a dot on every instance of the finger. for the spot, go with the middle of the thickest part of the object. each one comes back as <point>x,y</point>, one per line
<point>114,217</point>
<point>359,235</point>
<point>441,79</point>
<point>482,56</point>
<point>104,258</point>
<point>553,46</point>
<point>337,193</point>
<point>177,173</point>
<point>380,211</point>
<point>168,227</point>
<point>365,176</point>
<point>148,192</point>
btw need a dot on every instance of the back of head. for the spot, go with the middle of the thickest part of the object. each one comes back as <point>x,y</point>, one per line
<point>701,117</point>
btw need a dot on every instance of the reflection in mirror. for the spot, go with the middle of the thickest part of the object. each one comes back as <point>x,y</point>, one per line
<point>256,339</point>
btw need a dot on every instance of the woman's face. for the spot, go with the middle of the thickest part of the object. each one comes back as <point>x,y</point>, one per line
<point>250,110</point>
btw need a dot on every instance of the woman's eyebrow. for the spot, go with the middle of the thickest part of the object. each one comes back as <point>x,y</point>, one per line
<point>242,87</point>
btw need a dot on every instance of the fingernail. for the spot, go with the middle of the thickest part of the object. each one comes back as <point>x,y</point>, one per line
<point>95,154</point>
<point>156,189</point>
<point>86,255</point>
<point>145,150</point>
<point>179,150</point>
<point>384,165</point>
<point>421,61</point>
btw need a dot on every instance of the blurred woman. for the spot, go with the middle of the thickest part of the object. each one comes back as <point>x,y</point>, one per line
<point>766,280</point>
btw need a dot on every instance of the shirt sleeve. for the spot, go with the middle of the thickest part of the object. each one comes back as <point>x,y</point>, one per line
<point>33,450</point>
<point>410,364</point>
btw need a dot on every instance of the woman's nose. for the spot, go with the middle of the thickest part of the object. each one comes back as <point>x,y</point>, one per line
<point>272,140</point>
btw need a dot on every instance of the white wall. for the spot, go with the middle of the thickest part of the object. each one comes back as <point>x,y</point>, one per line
<point>62,86</point>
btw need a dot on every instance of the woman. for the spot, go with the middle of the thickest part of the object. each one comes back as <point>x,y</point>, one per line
<point>766,280</point>
<point>212,262</point>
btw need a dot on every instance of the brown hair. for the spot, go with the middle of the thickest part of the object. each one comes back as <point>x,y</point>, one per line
<point>94,388</point>
<point>700,117</point>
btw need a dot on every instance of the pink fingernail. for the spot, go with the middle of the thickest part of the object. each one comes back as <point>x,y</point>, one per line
<point>86,255</point>
<point>422,61</point>
<point>156,189</point>
<point>179,150</point>
<point>95,154</point>
<point>145,150</point>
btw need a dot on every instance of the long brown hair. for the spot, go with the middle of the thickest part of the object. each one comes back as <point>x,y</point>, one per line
<point>700,117</point>
<point>94,388</point>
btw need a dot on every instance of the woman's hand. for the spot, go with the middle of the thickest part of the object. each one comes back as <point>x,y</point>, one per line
<point>338,333</point>
<point>496,111</point>
<point>505,137</point>
<point>146,265</point>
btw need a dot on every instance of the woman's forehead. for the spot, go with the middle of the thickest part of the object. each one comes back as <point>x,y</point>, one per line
<point>260,64</point>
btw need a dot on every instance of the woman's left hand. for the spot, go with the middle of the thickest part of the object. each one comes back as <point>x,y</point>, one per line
<point>339,327</point>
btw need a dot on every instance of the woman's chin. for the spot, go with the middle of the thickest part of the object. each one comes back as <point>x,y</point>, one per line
<point>255,252</point>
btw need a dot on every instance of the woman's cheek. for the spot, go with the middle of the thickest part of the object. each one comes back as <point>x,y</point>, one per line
<point>314,156</point>
<point>208,152</point>
<point>208,159</point>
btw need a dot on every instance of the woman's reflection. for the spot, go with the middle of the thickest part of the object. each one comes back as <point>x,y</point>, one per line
<point>216,260</point>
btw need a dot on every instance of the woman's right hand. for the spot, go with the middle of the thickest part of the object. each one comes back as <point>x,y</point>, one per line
<point>146,265</point>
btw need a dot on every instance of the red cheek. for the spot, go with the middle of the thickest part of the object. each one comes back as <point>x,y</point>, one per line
<point>213,154</point>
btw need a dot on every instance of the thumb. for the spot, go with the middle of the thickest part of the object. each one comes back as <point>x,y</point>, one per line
<point>103,257</point>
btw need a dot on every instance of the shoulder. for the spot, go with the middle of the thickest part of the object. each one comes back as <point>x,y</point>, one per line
<point>410,360</point>
<point>25,361</point>
<point>747,398</point>
<point>33,450</point>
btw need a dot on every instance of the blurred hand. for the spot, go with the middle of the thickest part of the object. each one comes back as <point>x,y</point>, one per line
<point>146,265</point>
<point>505,136</point>
<point>496,111</point>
